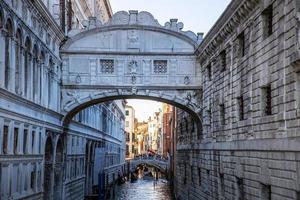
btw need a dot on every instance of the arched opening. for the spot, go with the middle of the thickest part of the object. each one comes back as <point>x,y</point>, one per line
<point>48,169</point>
<point>58,171</point>
<point>27,66</point>
<point>8,49</point>
<point>18,68</point>
<point>195,115</point>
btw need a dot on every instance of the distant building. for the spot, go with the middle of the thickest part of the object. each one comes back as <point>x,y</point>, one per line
<point>167,128</point>
<point>129,130</point>
<point>155,132</point>
<point>142,137</point>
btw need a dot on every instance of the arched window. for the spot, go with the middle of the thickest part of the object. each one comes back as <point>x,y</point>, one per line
<point>27,67</point>
<point>35,72</point>
<point>8,43</point>
<point>18,68</point>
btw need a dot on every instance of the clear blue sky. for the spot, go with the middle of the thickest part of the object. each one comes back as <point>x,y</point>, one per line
<point>197,15</point>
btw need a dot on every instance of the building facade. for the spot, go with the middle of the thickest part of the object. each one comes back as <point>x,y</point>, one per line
<point>130,131</point>
<point>155,139</point>
<point>249,148</point>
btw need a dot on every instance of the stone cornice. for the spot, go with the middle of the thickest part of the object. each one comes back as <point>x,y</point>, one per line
<point>235,13</point>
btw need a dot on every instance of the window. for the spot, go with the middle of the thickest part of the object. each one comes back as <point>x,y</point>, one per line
<point>25,141</point>
<point>127,123</point>
<point>32,141</point>
<point>297,195</point>
<point>160,66</point>
<point>240,105</point>
<point>32,178</point>
<point>267,16</point>
<point>209,74</point>
<point>240,188</point>
<point>222,114</point>
<point>127,112</point>
<point>192,177</point>
<point>199,175</point>
<point>222,184</point>
<point>223,61</point>
<point>5,138</point>
<point>266,192</point>
<point>241,41</point>
<point>184,180</point>
<point>107,66</point>
<point>267,100</point>
<point>16,137</point>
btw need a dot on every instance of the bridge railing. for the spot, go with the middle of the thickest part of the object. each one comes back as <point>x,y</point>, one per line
<point>148,157</point>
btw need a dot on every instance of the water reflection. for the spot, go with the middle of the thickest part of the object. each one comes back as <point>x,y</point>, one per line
<point>150,185</point>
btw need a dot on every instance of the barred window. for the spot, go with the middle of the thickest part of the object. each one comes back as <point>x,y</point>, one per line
<point>160,66</point>
<point>241,41</point>
<point>267,15</point>
<point>223,61</point>
<point>107,66</point>
<point>209,74</point>
<point>266,192</point>
<point>240,102</point>
<point>240,188</point>
<point>222,114</point>
<point>267,100</point>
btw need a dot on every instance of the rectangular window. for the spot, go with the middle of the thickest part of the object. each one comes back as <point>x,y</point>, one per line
<point>222,114</point>
<point>184,180</point>
<point>107,66</point>
<point>266,192</point>
<point>32,179</point>
<point>192,178</point>
<point>32,141</point>
<point>223,61</point>
<point>240,188</point>
<point>199,176</point>
<point>5,139</point>
<point>267,100</point>
<point>267,16</point>
<point>25,141</point>
<point>16,138</point>
<point>127,113</point>
<point>209,74</point>
<point>160,66</point>
<point>222,184</point>
<point>241,41</point>
<point>240,105</point>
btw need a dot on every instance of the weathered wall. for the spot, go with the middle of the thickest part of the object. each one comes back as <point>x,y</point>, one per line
<point>247,152</point>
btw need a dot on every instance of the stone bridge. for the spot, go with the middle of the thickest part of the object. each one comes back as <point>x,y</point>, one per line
<point>131,56</point>
<point>162,164</point>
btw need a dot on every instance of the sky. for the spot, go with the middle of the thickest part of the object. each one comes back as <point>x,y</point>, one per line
<point>197,16</point>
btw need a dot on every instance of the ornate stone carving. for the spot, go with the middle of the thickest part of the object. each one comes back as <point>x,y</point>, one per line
<point>133,39</point>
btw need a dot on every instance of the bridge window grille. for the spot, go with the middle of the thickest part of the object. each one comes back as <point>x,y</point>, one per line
<point>160,66</point>
<point>107,66</point>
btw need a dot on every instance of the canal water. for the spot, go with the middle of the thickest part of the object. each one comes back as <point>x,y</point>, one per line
<point>145,188</point>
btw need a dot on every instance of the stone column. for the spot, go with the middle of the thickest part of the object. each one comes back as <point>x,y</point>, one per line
<point>1,135</point>
<point>2,57</point>
<point>10,138</point>
<point>12,65</point>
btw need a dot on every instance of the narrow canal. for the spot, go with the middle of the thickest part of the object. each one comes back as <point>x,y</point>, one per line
<point>146,187</point>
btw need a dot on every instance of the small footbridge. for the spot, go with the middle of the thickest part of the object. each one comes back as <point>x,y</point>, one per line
<point>155,161</point>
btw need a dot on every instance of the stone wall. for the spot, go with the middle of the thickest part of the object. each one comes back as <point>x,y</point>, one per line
<point>250,146</point>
